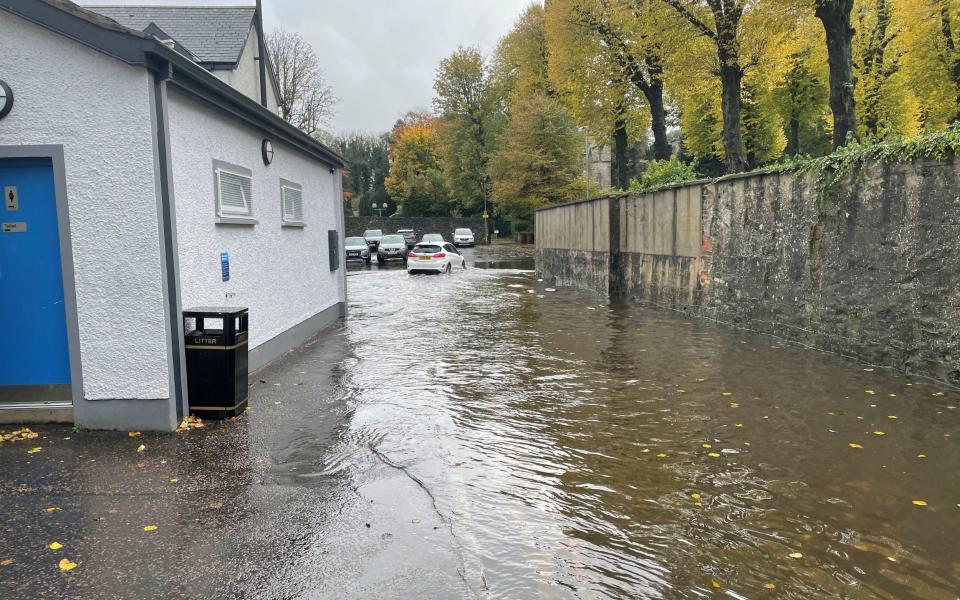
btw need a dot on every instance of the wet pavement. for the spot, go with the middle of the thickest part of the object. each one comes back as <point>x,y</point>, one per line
<point>480,435</point>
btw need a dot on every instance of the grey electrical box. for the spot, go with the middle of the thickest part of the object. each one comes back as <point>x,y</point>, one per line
<point>11,198</point>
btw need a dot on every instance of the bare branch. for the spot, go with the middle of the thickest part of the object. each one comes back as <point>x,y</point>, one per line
<point>306,100</point>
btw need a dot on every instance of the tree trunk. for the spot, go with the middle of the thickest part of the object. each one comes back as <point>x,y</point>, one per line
<point>620,147</point>
<point>793,142</point>
<point>658,112</point>
<point>731,76</point>
<point>835,16</point>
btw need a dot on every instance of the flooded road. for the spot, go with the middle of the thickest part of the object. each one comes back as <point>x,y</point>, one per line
<point>480,435</point>
<point>588,450</point>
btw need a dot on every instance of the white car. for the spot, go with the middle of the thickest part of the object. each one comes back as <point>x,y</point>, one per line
<point>463,237</point>
<point>434,257</point>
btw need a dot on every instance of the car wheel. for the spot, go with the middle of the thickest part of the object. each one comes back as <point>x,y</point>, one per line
<point>447,269</point>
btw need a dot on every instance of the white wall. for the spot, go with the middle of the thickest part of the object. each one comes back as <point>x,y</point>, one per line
<point>99,110</point>
<point>246,77</point>
<point>281,274</point>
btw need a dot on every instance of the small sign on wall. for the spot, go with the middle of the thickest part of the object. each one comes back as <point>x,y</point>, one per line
<point>15,227</point>
<point>225,266</point>
<point>11,198</point>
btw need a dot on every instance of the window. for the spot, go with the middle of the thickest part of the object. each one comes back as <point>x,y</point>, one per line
<point>291,203</point>
<point>234,193</point>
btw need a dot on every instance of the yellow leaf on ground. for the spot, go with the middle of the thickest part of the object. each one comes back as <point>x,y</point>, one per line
<point>707,446</point>
<point>921,456</point>
<point>55,546</point>
<point>796,555</point>
<point>769,586</point>
<point>67,565</point>
<point>734,405</point>
<point>150,528</point>
<point>6,562</point>
<point>738,425</point>
<point>51,509</point>
<point>871,392</point>
<point>662,455</point>
<point>727,393</point>
<point>34,450</point>
<point>919,503</point>
<point>141,448</point>
<point>174,480</point>
<point>879,433</point>
<point>714,455</point>
<point>695,496</point>
<point>133,433</point>
<point>716,584</point>
<point>856,446</point>
<point>891,416</point>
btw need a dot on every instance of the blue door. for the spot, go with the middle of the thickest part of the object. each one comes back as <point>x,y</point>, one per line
<point>33,325</point>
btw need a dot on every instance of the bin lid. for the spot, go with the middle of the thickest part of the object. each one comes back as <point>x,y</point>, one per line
<point>215,311</point>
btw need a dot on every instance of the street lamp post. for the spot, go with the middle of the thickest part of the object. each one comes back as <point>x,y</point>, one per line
<point>379,209</point>
<point>586,158</point>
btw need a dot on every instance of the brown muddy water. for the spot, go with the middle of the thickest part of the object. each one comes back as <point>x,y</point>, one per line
<point>583,449</point>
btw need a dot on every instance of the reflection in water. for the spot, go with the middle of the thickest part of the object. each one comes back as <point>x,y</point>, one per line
<point>583,449</point>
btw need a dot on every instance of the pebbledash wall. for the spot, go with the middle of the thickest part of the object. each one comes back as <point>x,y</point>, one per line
<point>267,259</point>
<point>421,225</point>
<point>870,270</point>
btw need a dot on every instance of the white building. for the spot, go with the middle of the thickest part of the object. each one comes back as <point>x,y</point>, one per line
<point>137,149</point>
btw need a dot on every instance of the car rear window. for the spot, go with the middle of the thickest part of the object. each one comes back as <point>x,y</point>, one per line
<point>427,249</point>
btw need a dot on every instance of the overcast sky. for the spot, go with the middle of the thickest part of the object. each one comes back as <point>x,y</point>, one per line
<point>380,55</point>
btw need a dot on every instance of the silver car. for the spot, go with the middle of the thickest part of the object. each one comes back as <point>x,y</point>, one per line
<point>392,247</point>
<point>356,248</point>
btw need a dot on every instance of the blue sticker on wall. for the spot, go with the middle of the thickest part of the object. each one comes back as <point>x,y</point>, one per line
<point>225,266</point>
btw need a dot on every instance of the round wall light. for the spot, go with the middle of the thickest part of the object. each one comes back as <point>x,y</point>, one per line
<point>266,149</point>
<point>6,99</point>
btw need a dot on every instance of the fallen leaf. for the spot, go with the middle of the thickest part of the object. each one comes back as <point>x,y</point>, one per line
<point>892,559</point>
<point>727,394</point>
<point>6,562</point>
<point>67,565</point>
<point>133,434</point>
<point>919,503</point>
<point>734,405</point>
<point>707,446</point>
<point>714,455</point>
<point>174,480</point>
<point>55,546</point>
<point>856,446</point>
<point>150,528</point>
<point>34,450</point>
<point>796,555</point>
<point>871,392</point>
<point>662,455</point>
<point>458,464</point>
<point>415,520</point>
<point>921,456</point>
<point>695,496</point>
<point>868,370</point>
<point>738,425</point>
<point>891,416</point>
<point>879,433</point>
<point>769,586</point>
<point>51,509</point>
<point>141,448</point>
<point>716,584</point>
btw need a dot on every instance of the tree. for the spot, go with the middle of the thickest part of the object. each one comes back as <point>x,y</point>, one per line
<point>472,116</point>
<point>368,165</point>
<point>538,162</point>
<point>416,181</point>
<point>835,16</point>
<point>306,100</point>
<point>931,57</point>
<point>719,21</point>
<point>802,97</point>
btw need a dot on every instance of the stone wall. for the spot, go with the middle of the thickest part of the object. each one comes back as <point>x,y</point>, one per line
<point>871,270</point>
<point>442,225</point>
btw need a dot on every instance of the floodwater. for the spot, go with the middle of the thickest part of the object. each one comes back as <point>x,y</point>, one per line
<point>586,450</point>
<point>480,435</point>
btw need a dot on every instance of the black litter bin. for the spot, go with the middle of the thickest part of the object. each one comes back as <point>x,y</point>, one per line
<point>216,351</point>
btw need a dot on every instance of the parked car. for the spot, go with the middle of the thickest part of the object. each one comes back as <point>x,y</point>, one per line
<point>463,237</point>
<point>436,257</point>
<point>373,237</point>
<point>410,236</point>
<point>433,238</point>
<point>392,247</point>
<point>356,248</point>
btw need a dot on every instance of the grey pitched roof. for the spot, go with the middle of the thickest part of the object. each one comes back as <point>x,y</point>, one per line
<point>214,34</point>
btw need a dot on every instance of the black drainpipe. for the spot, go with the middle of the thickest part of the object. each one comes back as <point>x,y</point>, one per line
<point>262,50</point>
<point>168,237</point>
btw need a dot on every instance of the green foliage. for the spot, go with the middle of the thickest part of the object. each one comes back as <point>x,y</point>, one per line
<point>663,173</point>
<point>802,98</point>
<point>368,165</point>
<point>538,162</point>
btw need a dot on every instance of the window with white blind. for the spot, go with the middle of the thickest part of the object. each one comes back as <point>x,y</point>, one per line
<point>291,202</point>
<point>234,192</point>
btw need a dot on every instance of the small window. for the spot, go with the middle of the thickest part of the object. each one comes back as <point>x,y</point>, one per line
<point>291,203</point>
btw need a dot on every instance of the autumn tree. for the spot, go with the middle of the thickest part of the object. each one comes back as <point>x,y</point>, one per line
<point>801,96</point>
<point>538,161</point>
<point>720,22</point>
<point>472,117</point>
<point>835,15</point>
<point>306,99</point>
<point>416,181</point>
<point>930,62</point>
